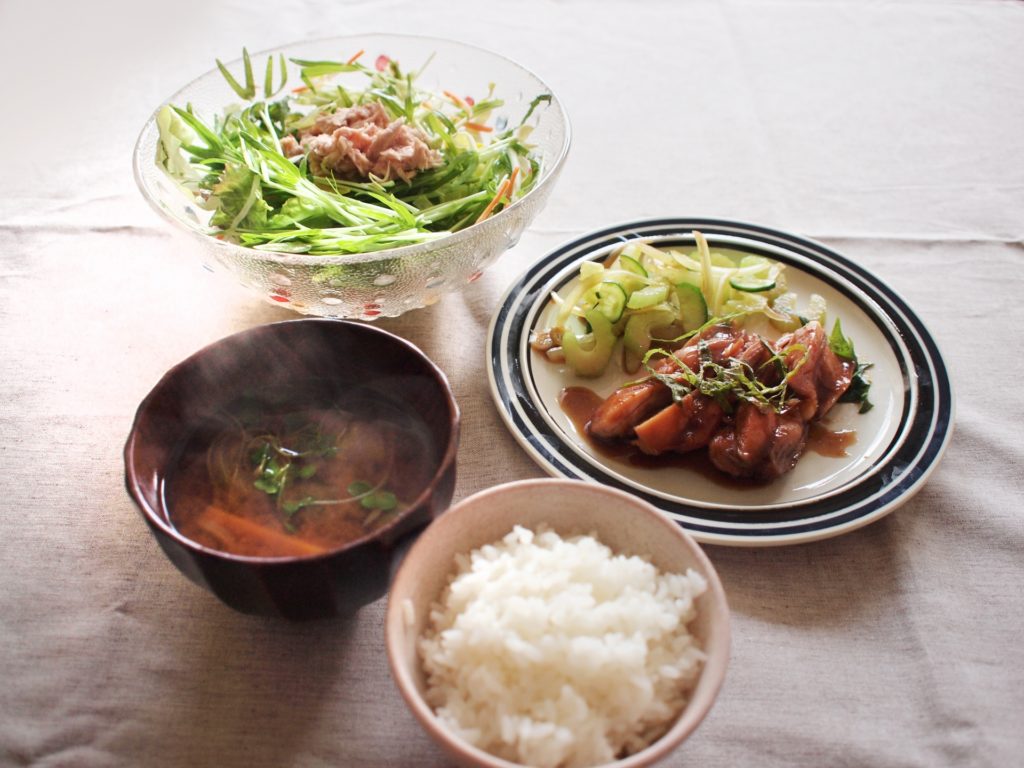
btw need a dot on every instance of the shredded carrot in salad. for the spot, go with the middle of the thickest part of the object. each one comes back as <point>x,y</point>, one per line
<point>457,101</point>
<point>503,191</point>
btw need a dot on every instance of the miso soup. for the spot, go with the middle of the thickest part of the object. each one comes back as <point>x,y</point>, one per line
<point>267,478</point>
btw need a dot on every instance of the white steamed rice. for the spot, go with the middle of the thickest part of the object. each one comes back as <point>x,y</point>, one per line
<point>556,652</point>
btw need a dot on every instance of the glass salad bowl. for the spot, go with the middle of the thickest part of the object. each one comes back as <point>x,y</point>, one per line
<point>391,280</point>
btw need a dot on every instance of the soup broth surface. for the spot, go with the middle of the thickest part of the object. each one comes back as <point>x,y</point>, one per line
<point>268,479</point>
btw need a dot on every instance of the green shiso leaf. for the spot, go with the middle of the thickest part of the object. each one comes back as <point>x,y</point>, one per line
<point>841,345</point>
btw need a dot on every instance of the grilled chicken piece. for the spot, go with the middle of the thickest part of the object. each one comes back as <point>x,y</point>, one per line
<point>627,406</point>
<point>680,427</point>
<point>822,377</point>
<point>760,443</point>
<point>764,444</point>
<point>633,404</point>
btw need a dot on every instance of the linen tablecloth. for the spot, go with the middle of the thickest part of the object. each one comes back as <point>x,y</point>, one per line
<point>890,131</point>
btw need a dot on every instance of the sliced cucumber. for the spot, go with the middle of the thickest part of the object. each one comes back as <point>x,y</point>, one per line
<point>784,314</point>
<point>638,335</point>
<point>752,260</point>
<point>610,300</point>
<point>588,353</point>
<point>745,304</point>
<point>632,274</point>
<point>693,310</point>
<point>660,265</point>
<point>816,308</point>
<point>691,276</point>
<point>630,257</point>
<point>647,297</point>
<point>751,284</point>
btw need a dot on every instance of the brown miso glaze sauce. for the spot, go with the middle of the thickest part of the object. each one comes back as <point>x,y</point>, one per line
<point>579,404</point>
<point>828,442</point>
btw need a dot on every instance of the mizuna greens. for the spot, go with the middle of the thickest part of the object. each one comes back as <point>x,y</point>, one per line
<point>234,166</point>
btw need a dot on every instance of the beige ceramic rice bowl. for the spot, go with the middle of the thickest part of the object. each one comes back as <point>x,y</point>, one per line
<point>515,637</point>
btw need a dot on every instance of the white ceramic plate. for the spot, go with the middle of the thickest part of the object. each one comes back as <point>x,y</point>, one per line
<point>898,442</point>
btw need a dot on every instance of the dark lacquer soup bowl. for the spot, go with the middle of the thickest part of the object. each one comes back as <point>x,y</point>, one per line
<point>283,467</point>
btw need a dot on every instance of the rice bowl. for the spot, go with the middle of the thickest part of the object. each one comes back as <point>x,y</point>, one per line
<point>525,654</point>
<point>556,652</point>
